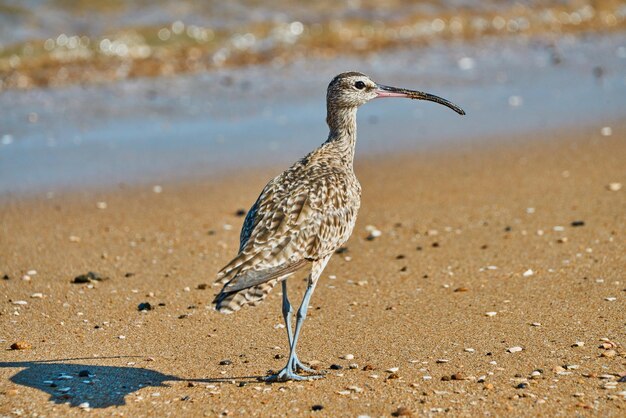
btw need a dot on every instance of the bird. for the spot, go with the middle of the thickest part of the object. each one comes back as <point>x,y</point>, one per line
<point>304,215</point>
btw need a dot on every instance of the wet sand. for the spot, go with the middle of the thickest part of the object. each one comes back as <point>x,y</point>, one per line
<point>527,230</point>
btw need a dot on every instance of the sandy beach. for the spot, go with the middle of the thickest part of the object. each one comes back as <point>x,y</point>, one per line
<point>497,287</point>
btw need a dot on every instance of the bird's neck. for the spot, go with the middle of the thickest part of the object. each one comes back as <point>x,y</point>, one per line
<point>342,135</point>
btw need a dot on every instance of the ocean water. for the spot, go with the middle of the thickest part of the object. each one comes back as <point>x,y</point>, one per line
<point>151,130</point>
<point>51,43</point>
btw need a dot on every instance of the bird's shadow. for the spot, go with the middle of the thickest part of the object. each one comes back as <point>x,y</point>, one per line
<point>100,386</point>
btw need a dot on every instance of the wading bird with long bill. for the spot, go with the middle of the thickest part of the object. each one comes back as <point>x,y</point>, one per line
<point>304,214</point>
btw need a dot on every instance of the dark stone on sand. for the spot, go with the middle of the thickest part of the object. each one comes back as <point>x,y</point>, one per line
<point>317,407</point>
<point>400,256</point>
<point>6,277</point>
<point>225,362</point>
<point>144,306</point>
<point>522,386</point>
<point>129,274</point>
<point>578,223</point>
<point>203,286</point>
<point>240,212</point>
<point>402,412</point>
<point>21,345</point>
<point>89,277</point>
<point>507,229</point>
<point>435,245</point>
<point>336,367</point>
<point>341,250</point>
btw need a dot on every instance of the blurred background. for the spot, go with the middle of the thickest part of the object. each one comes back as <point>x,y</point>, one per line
<point>96,93</point>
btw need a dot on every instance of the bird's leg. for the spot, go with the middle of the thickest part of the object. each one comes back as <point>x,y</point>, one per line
<point>287,315</point>
<point>288,373</point>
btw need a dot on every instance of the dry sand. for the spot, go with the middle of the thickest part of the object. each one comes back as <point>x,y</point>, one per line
<point>464,232</point>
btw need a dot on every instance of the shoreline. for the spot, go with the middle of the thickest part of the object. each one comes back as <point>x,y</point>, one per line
<point>152,131</point>
<point>447,148</point>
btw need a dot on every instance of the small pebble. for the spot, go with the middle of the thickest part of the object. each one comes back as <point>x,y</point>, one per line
<point>606,131</point>
<point>578,223</point>
<point>442,360</point>
<point>522,385</point>
<point>614,186</point>
<point>84,405</point>
<point>536,324</point>
<point>21,345</point>
<point>458,376</point>
<point>83,373</point>
<point>225,362</point>
<point>610,299</point>
<point>336,367</point>
<point>578,344</point>
<point>122,337</point>
<point>89,277</point>
<point>37,295</point>
<point>491,313</point>
<point>392,369</point>
<point>608,353</point>
<point>528,273</point>
<point>470,350</point>
<point>19,302</point>
<point>144,306</point>
<point>515,349</point>
<point>402,412</point>
<point>317,407</point>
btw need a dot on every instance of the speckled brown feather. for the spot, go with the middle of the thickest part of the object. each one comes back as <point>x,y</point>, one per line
<point>302,215</point>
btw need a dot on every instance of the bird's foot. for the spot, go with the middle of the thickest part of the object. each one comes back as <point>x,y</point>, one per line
<point>288,374</point>
<point>297,365</point>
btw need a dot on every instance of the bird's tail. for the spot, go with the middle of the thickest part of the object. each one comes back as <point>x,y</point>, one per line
<point>229,302</point>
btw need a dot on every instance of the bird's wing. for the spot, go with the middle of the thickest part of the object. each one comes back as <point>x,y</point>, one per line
<point>291,222</point>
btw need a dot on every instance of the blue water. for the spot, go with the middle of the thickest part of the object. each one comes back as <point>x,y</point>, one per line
<point>163,129</point>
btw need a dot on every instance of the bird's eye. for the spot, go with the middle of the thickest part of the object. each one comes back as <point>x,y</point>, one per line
<point>359,85</point>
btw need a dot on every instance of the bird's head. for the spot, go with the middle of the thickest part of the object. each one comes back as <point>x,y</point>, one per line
<point>352,89</point>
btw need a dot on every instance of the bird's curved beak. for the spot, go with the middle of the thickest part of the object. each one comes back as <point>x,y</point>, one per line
<point>386,91</point>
